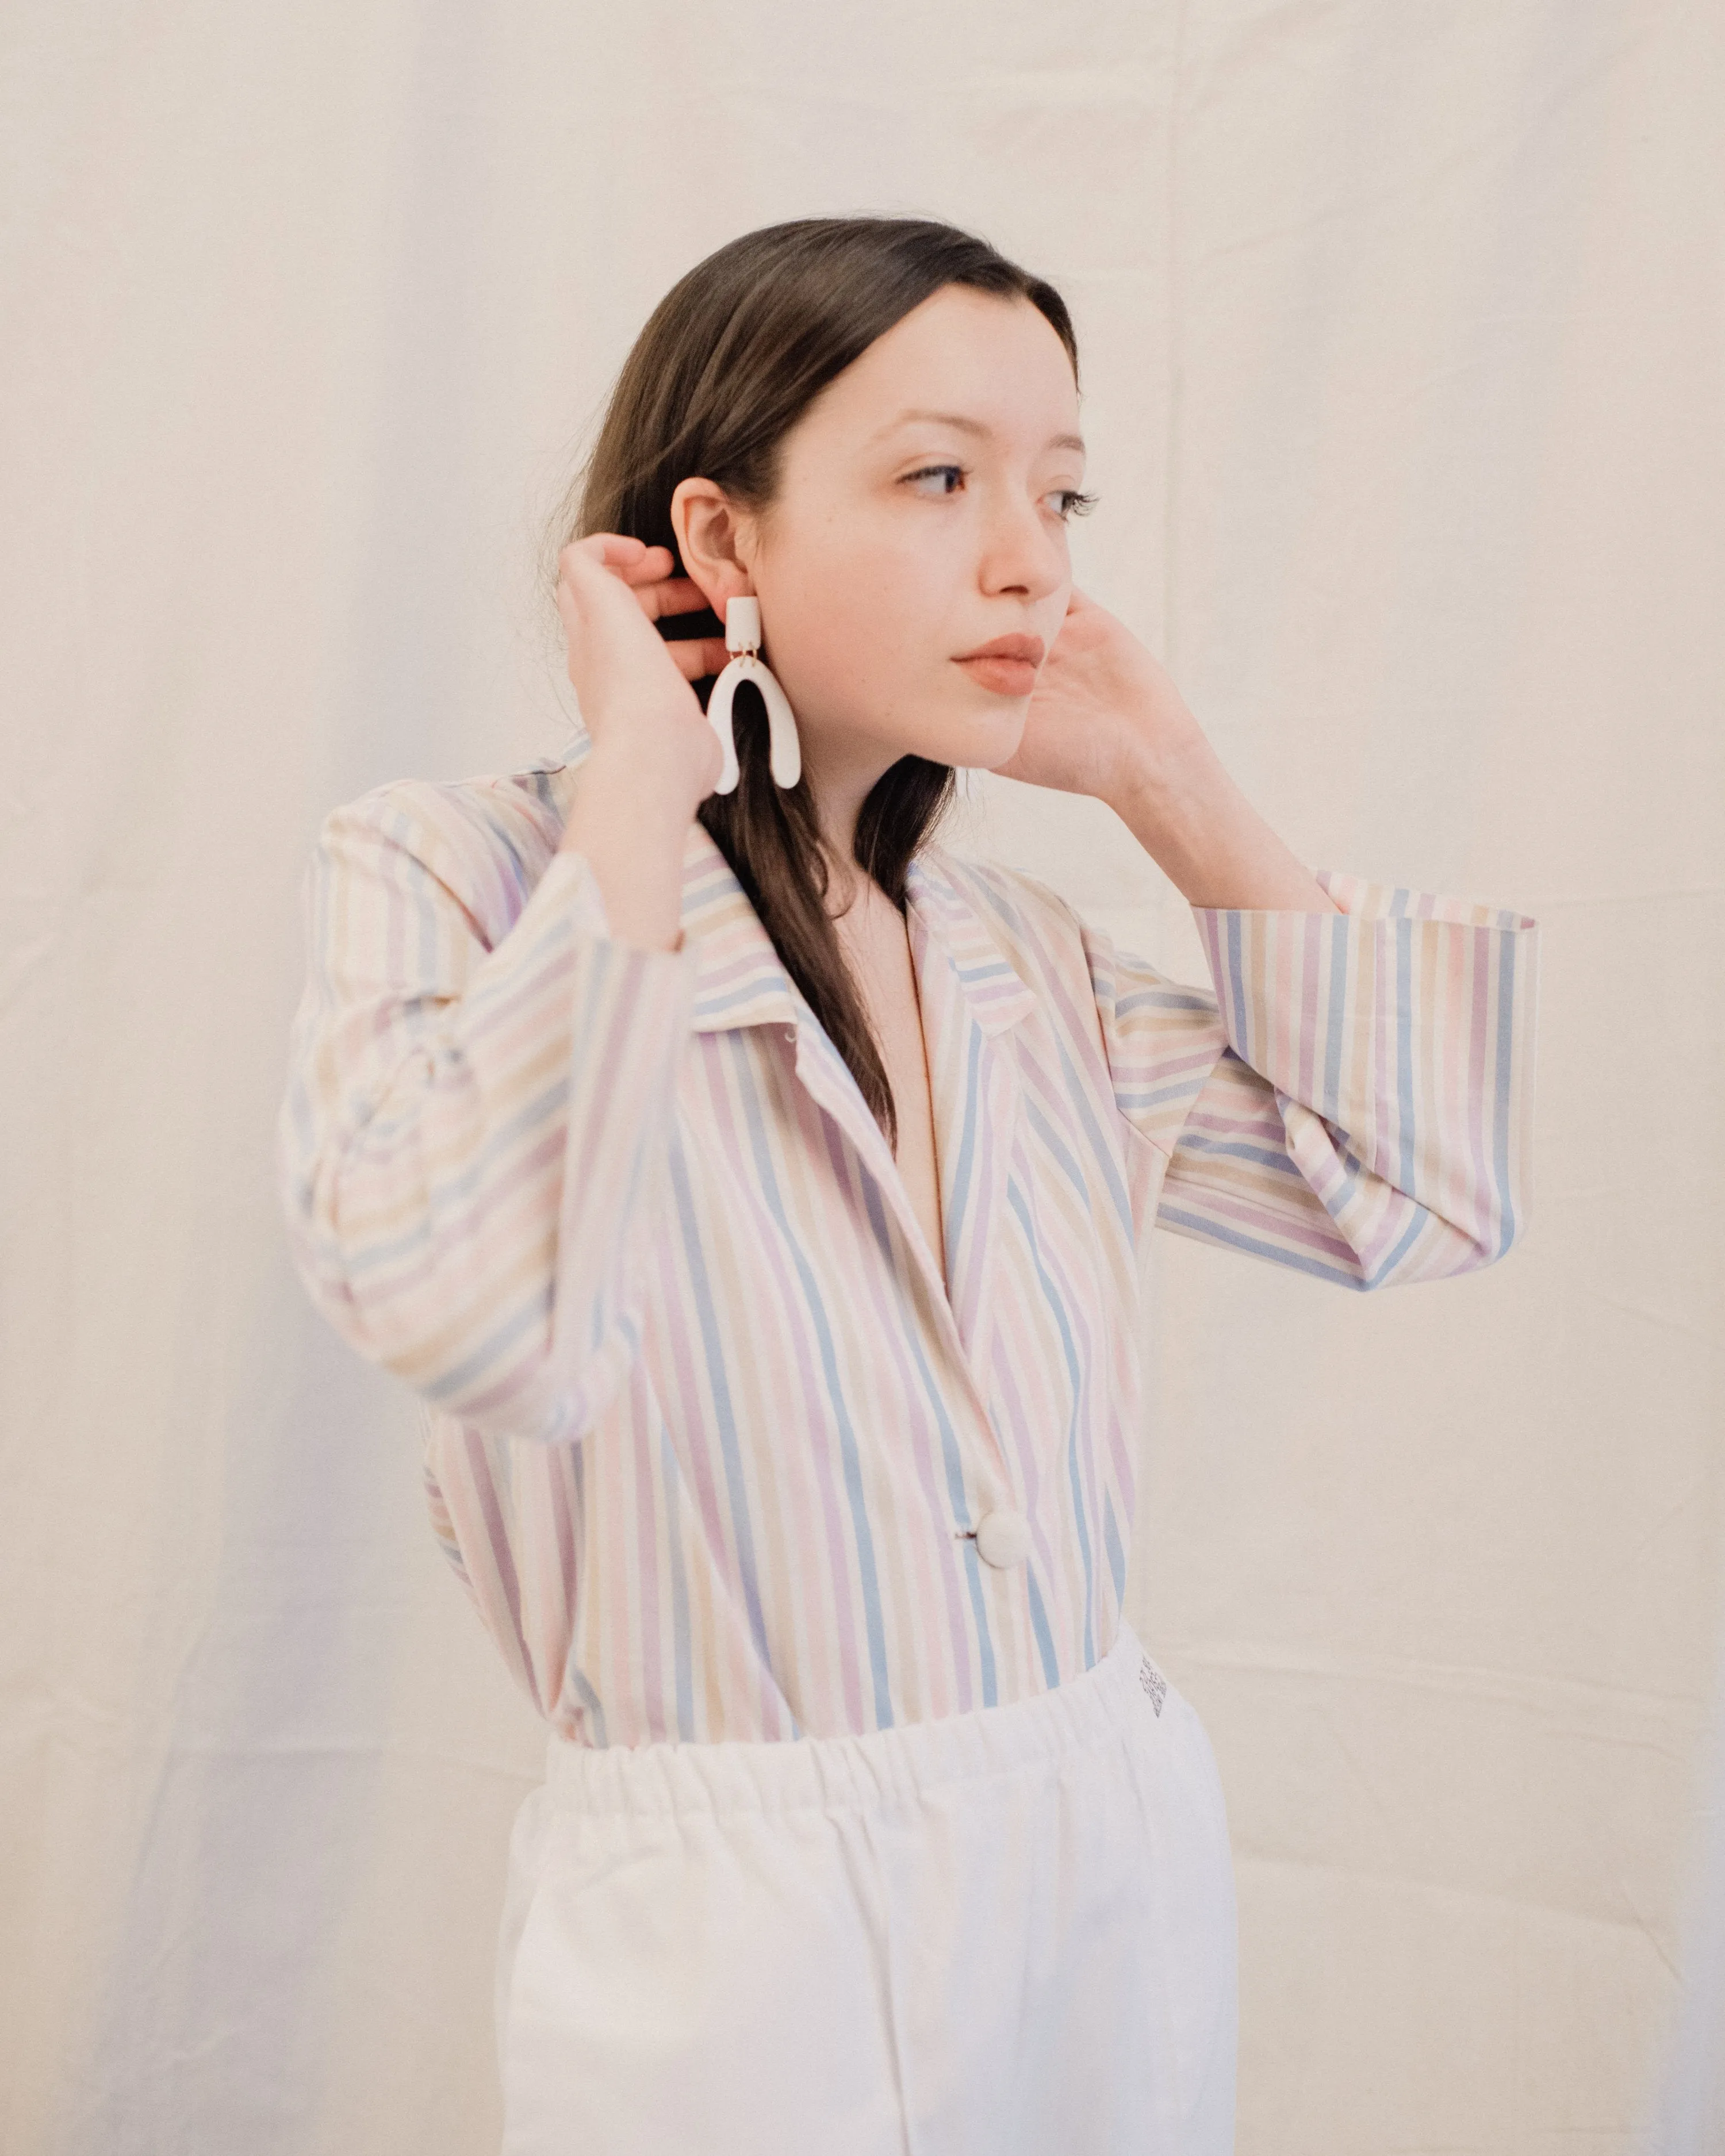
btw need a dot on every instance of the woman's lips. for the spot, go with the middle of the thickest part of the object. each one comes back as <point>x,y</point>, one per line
<point>1007,665</point>
<point>1006,677</point>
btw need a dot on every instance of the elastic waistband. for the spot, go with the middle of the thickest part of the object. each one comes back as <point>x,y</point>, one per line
<point>853,1773</point>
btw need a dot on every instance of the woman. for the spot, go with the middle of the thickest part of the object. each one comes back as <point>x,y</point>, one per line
<point>753,1193</point>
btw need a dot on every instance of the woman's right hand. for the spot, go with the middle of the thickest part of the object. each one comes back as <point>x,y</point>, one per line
<point>644,719</point>
<point>655,758</point>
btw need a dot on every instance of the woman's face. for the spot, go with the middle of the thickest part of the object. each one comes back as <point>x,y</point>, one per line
<point>921,514</point>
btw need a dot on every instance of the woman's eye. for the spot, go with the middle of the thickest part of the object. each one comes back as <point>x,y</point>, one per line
<point>947,479</point>
<point>936,471</point>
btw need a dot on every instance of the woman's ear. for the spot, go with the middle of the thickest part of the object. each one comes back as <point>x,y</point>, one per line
<point>715,539</point>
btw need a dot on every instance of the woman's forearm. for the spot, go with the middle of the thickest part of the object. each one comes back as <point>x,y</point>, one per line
<point>629,821</point>
<point>1188,815</point>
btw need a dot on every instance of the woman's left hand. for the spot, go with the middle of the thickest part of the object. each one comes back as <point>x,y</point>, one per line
<point>1103,710</point>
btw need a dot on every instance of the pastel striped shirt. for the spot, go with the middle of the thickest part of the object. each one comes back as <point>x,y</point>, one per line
<point>709,1442</point>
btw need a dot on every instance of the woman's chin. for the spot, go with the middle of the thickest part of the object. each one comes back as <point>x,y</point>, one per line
<point>978,742</point>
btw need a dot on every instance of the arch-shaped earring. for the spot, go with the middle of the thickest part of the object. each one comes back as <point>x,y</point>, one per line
<point>743,635</point>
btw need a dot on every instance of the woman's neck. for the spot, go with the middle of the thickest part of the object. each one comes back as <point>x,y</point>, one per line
<point>840,785</point>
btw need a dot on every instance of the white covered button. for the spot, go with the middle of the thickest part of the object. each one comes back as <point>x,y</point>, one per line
<point>1004,1537</point>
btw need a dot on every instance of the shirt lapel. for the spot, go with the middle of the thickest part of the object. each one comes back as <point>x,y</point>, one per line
<point>971,996</point>
<point>741,981</point>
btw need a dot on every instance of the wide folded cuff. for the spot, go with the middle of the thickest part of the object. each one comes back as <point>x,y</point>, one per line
<point>1405,1022</point>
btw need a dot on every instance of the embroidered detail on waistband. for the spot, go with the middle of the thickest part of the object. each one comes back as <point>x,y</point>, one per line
<point>1154,1683</point>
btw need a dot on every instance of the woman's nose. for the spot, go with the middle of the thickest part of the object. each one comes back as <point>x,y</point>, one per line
<point>1021,553</point>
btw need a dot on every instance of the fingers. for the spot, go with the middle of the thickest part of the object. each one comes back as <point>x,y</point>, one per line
<point>607,549</point>
<point>622,559</point>
<point>631,559</point>
<point>613,649</point>
<point>699,655</point>
<point>603,619</point>
<point>600,551</point>
<point>591,571</point>
<point>648,570</point>
<point>651,566</point>
<point>674,595</point>
<point>584,564</point>
<point>594,576</point>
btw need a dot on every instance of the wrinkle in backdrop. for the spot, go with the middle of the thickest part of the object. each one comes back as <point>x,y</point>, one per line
<point>1401,346</point>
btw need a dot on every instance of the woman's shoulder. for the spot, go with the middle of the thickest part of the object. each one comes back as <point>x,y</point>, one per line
<point>487,838</point>
<point>519,813</point>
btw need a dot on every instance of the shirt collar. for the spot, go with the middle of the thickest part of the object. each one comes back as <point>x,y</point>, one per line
<point>947,900</point>
<point>741,980</point>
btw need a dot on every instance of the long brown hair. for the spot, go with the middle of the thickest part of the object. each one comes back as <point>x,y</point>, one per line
<point>729,361</point>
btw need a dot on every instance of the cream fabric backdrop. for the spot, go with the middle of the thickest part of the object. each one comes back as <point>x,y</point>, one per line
<point>1401,326</point>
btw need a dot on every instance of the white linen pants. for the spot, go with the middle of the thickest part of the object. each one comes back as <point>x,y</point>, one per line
<point>1007,1933</point>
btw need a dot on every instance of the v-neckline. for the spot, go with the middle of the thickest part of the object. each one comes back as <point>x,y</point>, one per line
<point>938,1253</point>
<point>968,996</point>
<point>935,1250</point>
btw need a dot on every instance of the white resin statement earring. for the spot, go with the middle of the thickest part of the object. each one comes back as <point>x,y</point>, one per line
<point>743,635</point>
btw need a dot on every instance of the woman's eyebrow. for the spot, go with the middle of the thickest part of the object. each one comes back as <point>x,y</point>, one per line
<point>972,427</point>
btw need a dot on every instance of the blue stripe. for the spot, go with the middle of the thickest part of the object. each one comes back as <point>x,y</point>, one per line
<point>1016,1198</point>
<point>1101,1152</point>
<point>967,1144</point>
<point>552,947</point>
<point>1385,1270</point>
<point>525,1120</point>
<point>1192,1141</point>
<point>1177,999</point>
<point>1182,1089</point>
<point>530,1316</point>
<point>517,865</point>
<point>1236,988</point>
<point>862,1536</point>
<point>1206,1231</point>
<point>1352,1169</point>
<point>713,1350</point>
<point>1039,1626</point>
<point>589,1699</point>
<point>768,981</point>
<point>951,1458</point>
<point>1052,1140</point>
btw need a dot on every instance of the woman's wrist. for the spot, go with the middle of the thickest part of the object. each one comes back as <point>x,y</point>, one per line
<point>649,785</point>
<point>1177,800</point>
<point>629,821</point>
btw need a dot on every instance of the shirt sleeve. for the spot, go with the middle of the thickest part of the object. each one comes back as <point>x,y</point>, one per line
<point>470,1138</point>
<point>1353,1098</point>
